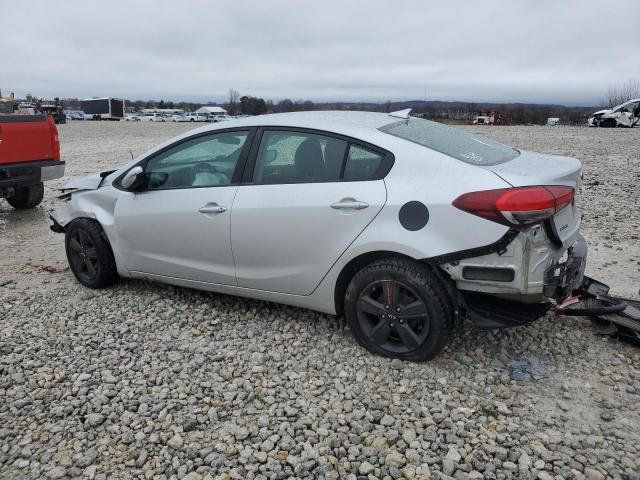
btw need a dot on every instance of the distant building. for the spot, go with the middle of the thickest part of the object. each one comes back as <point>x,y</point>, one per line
<point>211,111</point>
<point>552,121</point>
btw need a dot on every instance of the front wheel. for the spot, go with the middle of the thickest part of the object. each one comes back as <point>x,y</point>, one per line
<point>89,254</point>
<point>609,123</point>
<point>27,197</point>
<point>398,308</point>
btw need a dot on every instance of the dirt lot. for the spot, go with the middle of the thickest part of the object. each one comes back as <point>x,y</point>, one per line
<point>150,381</point>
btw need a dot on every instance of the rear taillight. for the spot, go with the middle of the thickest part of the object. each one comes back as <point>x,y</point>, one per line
<point>55,141</point>
<point>516,207</point>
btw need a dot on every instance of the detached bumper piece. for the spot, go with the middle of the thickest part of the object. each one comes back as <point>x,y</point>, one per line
<point>490,313</point>
<point>615,316</point>
<point>627,321</point>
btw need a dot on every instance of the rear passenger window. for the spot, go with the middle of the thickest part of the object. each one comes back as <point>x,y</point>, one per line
<point>298,157</point>
<point>362,163</point>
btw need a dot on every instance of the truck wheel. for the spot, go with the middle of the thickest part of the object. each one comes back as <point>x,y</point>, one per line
<point>89,254</point>
<point>398,308</point>
<point>27,197</point>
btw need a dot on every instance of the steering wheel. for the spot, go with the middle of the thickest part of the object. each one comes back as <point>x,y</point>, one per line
<point>209,168</point>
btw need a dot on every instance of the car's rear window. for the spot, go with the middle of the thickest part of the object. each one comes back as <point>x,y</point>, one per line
<point>464,146</point>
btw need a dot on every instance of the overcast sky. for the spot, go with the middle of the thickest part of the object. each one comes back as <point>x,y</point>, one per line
<point>566,52</point>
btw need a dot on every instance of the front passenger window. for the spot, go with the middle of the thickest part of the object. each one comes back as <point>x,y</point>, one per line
<point>207,161</point>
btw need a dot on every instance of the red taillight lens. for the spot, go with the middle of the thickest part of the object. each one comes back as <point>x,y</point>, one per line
<point>55,141</point>
<point>516,207</point>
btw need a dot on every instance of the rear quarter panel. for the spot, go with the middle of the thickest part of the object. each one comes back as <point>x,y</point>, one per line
<point>434,179</point>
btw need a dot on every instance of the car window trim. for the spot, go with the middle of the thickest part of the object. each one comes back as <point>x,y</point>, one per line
<point>237,172</point>
<point>388,159</point>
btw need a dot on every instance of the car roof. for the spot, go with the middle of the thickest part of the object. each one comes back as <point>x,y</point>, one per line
<point>343,122</point>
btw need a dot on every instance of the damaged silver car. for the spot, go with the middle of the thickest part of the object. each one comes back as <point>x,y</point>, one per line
<point>405,226</point>
<point>626,114</point>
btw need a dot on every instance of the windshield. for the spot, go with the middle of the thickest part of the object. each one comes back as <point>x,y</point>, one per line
<point>456,143</point>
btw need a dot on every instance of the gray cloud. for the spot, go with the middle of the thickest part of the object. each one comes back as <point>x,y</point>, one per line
<point>544,51</point>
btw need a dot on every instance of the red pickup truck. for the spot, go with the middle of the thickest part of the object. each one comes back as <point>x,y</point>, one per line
<point>29,156</point>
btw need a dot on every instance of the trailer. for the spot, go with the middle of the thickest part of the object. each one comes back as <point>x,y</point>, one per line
<point>103,108</point>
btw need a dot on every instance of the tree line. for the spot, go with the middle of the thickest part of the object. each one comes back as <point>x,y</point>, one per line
<point>519,113</point>
<point>516,113</point>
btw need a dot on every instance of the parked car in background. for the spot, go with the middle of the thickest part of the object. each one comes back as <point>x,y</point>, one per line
<point>191,117</point>
<point>626,114</point>
<point>29,156</point>
<point>173,118</point>
<point>405,226</point>
<point>220,118</point>
<point>151,117</point>
<point>132,117</point>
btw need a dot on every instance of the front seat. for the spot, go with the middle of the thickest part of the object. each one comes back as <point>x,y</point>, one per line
<point>309,161</point>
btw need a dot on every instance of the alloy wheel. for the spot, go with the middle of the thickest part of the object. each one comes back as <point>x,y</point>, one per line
<point>393,316</point>
<point>83,255</point>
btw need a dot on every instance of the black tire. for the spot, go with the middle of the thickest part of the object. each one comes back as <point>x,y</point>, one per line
<point>422,324</point>
<point>609,123</point>
<point>27,197</point>
<point>89,254</point>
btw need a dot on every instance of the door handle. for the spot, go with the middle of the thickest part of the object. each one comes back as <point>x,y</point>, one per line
<point>349,204</point>
<point>212,207</point>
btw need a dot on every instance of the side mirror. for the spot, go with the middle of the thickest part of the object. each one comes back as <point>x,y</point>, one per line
<point>133,179</point>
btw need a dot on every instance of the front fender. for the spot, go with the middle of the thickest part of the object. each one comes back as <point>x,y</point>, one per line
<point>98,205</point>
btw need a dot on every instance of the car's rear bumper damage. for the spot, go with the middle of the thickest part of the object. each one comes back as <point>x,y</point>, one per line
<point>516,280</point>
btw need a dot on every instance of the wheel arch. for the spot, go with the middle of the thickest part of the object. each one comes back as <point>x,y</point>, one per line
<point>108,234</point>
<point>103,233</point>
<point>354,266</point>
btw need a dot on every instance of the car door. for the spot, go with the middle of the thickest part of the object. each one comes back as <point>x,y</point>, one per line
<point>306,198</point>
<point>178,225</point>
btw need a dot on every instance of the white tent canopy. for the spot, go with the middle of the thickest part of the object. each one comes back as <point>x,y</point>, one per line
<point>211,110</point>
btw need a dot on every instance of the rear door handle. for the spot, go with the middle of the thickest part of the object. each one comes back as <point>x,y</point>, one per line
<point>212,207</point>
<point>349,204</point>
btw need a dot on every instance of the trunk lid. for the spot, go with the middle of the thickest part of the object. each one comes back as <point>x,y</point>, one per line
<point>531,168</point>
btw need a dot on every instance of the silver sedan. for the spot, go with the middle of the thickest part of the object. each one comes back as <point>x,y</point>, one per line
<point>405,226</point>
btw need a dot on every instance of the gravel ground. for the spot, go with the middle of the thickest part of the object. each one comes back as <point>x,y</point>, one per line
<point>157,382</point>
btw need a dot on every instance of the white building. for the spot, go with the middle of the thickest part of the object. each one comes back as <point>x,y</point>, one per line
<point>211,111</point>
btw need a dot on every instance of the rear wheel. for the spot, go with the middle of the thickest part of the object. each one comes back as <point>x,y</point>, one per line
<point>89,254</point>
<point>27,197</point>
<point>398,308</point>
